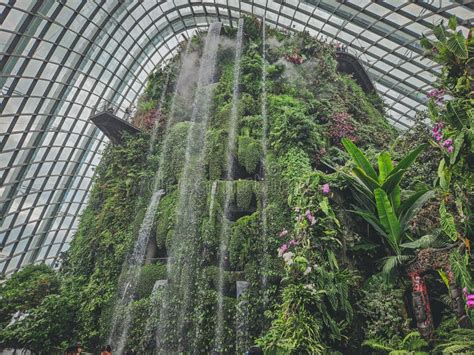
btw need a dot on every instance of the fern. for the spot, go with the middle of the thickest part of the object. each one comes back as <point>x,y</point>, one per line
<point>448,225</point>
<point>460,268</point>
<point>412,342</point>
<point>459,341</point>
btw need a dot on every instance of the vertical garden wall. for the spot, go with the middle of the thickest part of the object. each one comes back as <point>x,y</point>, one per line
<point>269,228</point>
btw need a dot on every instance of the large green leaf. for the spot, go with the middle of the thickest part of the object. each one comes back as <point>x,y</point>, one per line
<point>370,183</point>
<point>393,181</point>
<point>440,32</point>
<point>452,23</point>
<point>388,219</point>
<point>457,45</point>
<point>458,143</point>
<point>372,220</point>
<point>359,158</point>
<point>444,175</point>
<point>420,243</point>
<point>448,225</point>
<point>433,110</point>
<point>411,205</point>
<point>425,42</point>
<point>409,159</point>
<point>385,166</point>
<point>395,197</point>
<point>363,196</point>
<point>456,114</point>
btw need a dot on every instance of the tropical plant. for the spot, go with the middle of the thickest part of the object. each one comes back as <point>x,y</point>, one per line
<point>379,199</point>
<point>26,289</point>
<point>412,343</point>
<point>459,341</point>
<point>452,50</point>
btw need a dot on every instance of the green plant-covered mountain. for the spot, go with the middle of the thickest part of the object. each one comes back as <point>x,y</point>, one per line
<point>267,203</point>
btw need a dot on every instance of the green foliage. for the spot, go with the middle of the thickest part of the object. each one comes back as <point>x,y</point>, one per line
<point>175,151</point>
<point>249,152</point>
<point>458,341</point>
<point>310,294</point>
<point>165,217</point>
<point>148,276</point>
<point>382,308</point>
<point>46,329</point>
<point>412,343</point>
<point>299,331</point>
<point>244,239</point>
<point>26,289</point>
<point>291,127</point>
<point>390,217</point>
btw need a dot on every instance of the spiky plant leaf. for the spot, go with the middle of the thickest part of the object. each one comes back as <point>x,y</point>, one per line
<point>377,344</point>
<point>385,166</point>
<point>457,45</point>
<point>453,23</point>
<point>372,220</point>
<point>393,181</point>
<point>408,160</point>
<point>440,32</point>
<point>359,158</point>
<point>388,219</point>
<point>426,43</point>
<point>411,205</point>
<point>425,241</point>
<point>370,183</point>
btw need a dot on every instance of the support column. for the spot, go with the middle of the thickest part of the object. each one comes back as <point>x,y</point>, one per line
<point>421,305</point>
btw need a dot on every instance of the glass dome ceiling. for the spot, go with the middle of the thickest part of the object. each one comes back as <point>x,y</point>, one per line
<point>60,58</point>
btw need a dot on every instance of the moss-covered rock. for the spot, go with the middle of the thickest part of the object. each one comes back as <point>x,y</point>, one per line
<point>249,153</point>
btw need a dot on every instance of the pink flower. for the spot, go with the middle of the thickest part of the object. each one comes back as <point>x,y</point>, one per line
<point>447,142</point>
<point>293,242</point>
<point>450,149</point>
<point>283,233</point>
<point>282,250</point>
<point>326,189</point>
<point>436,94</point>
<point>309,216</point>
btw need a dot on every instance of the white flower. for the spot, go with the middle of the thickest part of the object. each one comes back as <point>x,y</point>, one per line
<point>288,257</point>
<point>309,287</point>
<point>307,271</point>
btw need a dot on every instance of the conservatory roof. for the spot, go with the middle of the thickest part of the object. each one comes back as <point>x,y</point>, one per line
<point>60,58</point>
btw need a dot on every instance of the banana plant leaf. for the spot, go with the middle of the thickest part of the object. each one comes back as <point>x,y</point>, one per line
<point>388,219</point>
<point>359,158</point>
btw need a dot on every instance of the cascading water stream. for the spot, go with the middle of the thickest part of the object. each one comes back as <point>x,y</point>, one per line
<point>132,266</point>
<point>213,197</point>
<point>182,266</point>
<point>230,152</point>
<point>156,293</point>
<point>122,314</point>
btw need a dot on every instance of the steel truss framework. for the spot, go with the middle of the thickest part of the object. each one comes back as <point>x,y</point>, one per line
<point>59,58</point>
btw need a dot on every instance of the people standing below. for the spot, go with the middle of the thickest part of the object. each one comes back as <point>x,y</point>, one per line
<point>106,350</point>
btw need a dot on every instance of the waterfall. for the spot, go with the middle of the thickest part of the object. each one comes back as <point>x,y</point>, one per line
<point>264,155</point>
<point>213,197</point>
<point>242,318</point>
<point>185,245</point>
<point>230,152</point>
<point>152,320</point>
<point>129,279</point>
<point>132,266</point>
